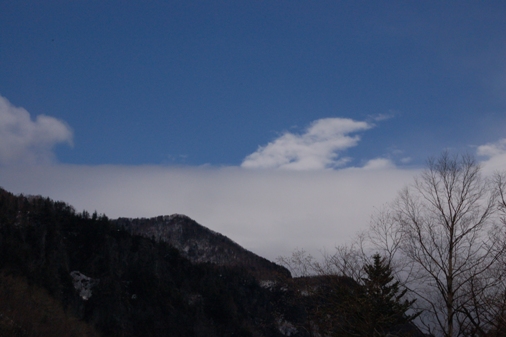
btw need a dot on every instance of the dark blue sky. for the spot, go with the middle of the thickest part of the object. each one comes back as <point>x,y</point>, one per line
<point>208,82</point>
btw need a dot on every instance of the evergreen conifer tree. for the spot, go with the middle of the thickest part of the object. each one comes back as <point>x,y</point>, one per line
<point>372,307</point>
<point>385,310</point>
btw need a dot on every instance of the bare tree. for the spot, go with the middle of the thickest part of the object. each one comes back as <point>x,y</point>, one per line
<point>444,238</point>
<point>445,228</point>
<point>489,306</point>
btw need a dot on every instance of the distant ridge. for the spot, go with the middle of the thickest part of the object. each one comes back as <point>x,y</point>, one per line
<point>201,245</point>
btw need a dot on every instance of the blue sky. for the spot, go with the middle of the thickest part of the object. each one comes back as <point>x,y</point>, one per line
<point>202,87</point>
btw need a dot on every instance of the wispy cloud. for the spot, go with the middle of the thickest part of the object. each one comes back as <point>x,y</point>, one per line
<point>379,164</point>
<point>384,116</point>
<point>27,141</point>
<point>316,149</point>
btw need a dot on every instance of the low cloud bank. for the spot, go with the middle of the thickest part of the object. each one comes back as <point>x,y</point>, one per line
<point>270,212</point>
<point>267,211</point>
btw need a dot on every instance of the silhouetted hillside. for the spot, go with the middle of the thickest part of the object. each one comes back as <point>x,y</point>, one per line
<point>122,284</point>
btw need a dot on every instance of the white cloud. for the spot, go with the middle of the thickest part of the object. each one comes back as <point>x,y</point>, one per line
<point>316,149</point>
<point>25,141</point>
<point>496,156</point>
<point>379,164</point>
<point>492,149</point>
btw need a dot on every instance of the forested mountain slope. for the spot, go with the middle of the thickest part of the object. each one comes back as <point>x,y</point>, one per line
<point>121,284</point>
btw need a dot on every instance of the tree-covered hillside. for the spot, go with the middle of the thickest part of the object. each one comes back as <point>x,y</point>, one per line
<point>130,285</point>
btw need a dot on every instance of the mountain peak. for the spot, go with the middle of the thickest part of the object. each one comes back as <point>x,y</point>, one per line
<point>200,244</point>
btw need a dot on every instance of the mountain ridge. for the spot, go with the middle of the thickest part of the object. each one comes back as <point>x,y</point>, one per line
<point>200,244</point>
